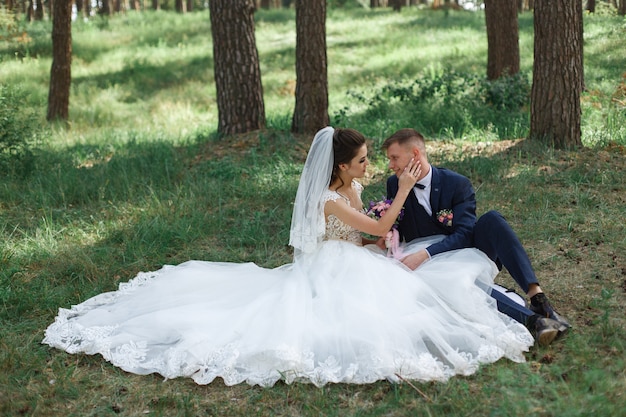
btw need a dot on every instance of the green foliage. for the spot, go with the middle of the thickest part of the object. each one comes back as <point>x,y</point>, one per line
<point>18,131</point>
<point>347,4</point>
<point>141,180</point>
<point>446,103</point>
<point>19,39</point>
<point>8,26</point>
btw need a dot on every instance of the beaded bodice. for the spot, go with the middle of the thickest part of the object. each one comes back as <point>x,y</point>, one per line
<point>335,228</point>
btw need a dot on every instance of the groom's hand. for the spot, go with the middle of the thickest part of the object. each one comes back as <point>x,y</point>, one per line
<point>414,260</point>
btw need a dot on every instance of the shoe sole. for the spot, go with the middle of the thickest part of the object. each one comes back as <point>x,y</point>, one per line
<point>546,337</point>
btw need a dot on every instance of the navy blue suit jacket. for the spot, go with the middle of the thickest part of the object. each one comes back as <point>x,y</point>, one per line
<point>449,191</point>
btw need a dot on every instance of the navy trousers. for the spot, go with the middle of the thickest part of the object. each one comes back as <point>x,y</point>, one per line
<point>495,237</point>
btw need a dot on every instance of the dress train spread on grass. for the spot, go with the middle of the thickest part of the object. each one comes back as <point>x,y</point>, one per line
<point>342,313</point>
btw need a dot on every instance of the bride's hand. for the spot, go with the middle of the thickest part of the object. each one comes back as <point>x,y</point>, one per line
<point>411,173</point>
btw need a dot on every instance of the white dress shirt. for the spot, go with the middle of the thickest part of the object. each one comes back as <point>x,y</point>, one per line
<point>423,196</point>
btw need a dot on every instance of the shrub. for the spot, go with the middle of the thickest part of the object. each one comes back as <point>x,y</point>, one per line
<point>444,103</point>
<point>18,134</point>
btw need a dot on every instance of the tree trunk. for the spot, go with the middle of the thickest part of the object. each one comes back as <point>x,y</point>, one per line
<point>622,8</point>
<point>39,10</point>
<point>591,6</point>
<point>106,8</point>
<point>156,5</point>
<point>80,9</point>
<point>61,70</point>
<point>236,66</point>
<point>502,38</point>
<point>555,110</point>
<point>311,111</point>
<point>30,14</point>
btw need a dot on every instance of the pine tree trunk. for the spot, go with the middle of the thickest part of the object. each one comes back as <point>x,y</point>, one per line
<point>61,70</point>
<point>236,66</point>
<point>558,80</point>
<point>311,111</point>
<point>591,6</point>
<point>80,9</point>
<point>106,8</point>
<point>39,13</point>
<point>502,38</point>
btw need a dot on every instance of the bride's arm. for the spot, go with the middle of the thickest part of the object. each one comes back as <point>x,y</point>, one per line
<point>344,212</point>
<point>360,221</point>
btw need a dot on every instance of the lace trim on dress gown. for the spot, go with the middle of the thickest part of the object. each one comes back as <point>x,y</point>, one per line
<point>343,314</point>
<point>335,228</point>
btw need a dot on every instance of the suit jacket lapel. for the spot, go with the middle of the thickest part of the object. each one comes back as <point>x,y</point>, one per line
<point>435,191</point>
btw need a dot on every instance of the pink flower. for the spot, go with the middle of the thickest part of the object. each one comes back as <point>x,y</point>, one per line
<point>445,217</point>
<point>378,209</point>
<point>392,238</point>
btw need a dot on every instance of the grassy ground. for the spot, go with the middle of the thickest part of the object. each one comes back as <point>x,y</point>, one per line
<point>140,180</point>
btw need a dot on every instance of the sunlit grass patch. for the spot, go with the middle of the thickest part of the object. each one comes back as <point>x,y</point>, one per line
<point>141,179</point>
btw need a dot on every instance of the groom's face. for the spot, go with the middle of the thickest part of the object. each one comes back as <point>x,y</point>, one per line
<point>399,157</point>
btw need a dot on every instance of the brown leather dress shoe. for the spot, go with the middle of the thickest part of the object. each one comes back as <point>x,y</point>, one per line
<point>543,308</point>
<point>546,330</point>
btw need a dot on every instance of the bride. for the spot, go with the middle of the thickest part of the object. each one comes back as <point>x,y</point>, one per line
<point>340,312</point>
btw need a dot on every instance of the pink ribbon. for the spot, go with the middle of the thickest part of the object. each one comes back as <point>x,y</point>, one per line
<point>392,242</point>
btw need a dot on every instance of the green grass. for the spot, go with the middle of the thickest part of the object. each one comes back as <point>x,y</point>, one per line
<point>141,180</point>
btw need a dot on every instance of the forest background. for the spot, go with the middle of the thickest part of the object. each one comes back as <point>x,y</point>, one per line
<point>140,179</point>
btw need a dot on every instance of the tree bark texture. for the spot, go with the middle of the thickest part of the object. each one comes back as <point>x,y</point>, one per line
<point>555,110</point>
<point>502,38</point>
<point>311,111</point>
<point>61,70</point>
<point>236,67</point>
<point>39,13</point>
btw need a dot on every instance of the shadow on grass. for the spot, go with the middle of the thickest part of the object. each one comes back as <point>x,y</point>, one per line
<point>230,200</point>
<point>143,80</point>
<point>91,221</point>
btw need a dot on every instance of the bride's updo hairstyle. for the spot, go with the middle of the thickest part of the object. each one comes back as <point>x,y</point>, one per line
<point>346,144</point>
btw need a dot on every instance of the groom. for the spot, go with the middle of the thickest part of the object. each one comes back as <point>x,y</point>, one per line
<point>443,202</point>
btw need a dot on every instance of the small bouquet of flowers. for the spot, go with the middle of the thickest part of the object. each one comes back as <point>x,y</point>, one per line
<point>445,217</point>
<point>376,210</point>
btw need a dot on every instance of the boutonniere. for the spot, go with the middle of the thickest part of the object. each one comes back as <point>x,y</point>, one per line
<point>445,217</point>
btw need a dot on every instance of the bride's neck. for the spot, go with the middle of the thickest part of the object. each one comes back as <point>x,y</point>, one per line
<point>341,184</point>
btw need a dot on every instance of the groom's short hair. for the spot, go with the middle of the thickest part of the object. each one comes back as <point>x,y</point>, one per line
<point>403,137</point>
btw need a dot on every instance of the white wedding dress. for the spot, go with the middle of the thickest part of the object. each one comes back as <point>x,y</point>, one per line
<point>343,313</point>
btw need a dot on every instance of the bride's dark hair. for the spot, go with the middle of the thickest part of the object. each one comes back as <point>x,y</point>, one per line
<point>346,144</point>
